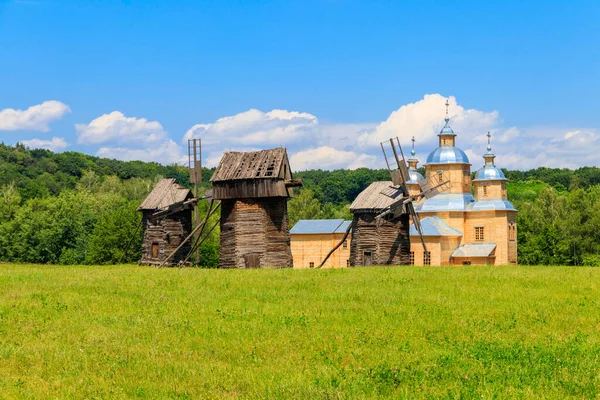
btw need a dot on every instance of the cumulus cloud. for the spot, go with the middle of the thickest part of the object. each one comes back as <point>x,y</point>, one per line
<point>116,127</point>
<point>130,138</point>
<point>35,118</point>
<point>254,127</point>
<point>424,119</point>
<point>326,157</point>
<point>168,152</point>
<point>57,144</point>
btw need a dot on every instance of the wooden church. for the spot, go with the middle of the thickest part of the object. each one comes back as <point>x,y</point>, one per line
<point>166,222</point>
<point>254,188</point>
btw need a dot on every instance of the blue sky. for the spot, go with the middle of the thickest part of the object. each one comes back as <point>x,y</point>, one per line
<point>132,79</point>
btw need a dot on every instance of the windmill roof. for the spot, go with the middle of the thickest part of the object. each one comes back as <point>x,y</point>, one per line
<point>434,226</point>
<point>316,226</point>
<point>475,250</point>
<point>165,193</point>
<point>250,165</point>
<point>377,196</point>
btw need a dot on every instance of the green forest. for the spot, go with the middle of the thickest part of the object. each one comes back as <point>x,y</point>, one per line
<point>72,208</point>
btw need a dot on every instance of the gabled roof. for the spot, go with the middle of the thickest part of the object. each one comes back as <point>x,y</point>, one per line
<point>434,226</point>
<point>377,196</point>
<point>475,250</point>
<point>316,226</point>
<point>165,193</point>
<point>253,164</point>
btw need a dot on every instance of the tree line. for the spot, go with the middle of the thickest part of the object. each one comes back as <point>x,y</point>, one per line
<point>72,208</point>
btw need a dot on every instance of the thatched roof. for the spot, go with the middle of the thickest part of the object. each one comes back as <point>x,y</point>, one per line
<point>251,165</point>
<point>165,193</point>
<point>377,196</point>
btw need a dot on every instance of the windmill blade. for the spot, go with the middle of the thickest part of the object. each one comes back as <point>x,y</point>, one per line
<point>417,223</point>
<point>395,161</point>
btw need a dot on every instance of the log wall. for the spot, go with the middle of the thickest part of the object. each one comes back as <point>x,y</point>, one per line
<point>255,233</point>
<point>388,242</point>
<point>167,233</point>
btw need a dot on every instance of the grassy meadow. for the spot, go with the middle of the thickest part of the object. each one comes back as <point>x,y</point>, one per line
<point>418,332</point>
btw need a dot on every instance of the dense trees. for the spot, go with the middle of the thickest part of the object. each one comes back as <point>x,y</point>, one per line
<point>73,208</point>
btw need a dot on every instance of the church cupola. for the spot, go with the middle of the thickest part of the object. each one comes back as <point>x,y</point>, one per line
<point>489,156</point>
<point>490,182</point>
<point>447,135</point>
<point>415,177</point>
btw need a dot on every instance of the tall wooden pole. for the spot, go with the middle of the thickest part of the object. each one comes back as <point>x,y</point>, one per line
<point>196,219</point>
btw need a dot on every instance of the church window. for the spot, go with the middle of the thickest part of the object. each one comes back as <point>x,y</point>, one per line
<point>512,232</point>
<point>485,190</point>
<point>479,233</point>
<point>311,264</point>
<point>345,245</point>
<point>411,260</point>
<point>427,258</point>
<point>347,263</point>
<point>440,176</point>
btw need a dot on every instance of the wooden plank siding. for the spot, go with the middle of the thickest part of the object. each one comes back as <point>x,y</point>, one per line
<point>255,233</point>
<point>167,233</point>
<point>379,242</point>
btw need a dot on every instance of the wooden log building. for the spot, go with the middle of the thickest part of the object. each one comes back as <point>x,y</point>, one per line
<point>254,188</point>
<point>378,242</point>
<point>166,222</point>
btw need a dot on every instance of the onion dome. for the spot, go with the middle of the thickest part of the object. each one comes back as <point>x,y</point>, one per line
<point>489,172</point>
<point>415,176</point>
<point>447,153</point>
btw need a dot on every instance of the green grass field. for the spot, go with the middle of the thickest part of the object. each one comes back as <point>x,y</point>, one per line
<point>456,332</point>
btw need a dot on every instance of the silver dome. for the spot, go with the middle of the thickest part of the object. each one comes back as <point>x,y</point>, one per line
<point>489,173</point>
<point>447,155</point>
<point>415,177</point>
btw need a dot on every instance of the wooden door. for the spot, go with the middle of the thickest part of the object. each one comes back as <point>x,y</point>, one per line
<point>155,250</point>
<point>368,258</point>
<point>252,260</point>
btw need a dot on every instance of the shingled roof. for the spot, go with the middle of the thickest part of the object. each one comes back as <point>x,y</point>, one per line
<point>165,193</point>
<point>251,165</point>
<point>377,196</point>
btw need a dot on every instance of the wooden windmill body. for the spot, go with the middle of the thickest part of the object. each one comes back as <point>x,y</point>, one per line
<point>254,188</point>
<point>166,223</point>
<point>383,212</point>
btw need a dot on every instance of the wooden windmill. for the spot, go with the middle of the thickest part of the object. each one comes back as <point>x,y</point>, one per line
<point>380,227</point>
<point>171,232</point>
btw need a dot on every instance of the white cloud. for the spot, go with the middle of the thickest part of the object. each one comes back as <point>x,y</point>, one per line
<point>254,128</point>
<point>35,118</point>
<point>168,152</point>
<point>326,157</point>
<point>56,144</point>
<point>116,127</point>
<point>424,119</point>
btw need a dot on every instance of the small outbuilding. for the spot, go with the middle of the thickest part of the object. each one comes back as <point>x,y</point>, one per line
<point>166,222</point>
<point>254,188</point>
<point>383,241</point>
<point>312,239</point>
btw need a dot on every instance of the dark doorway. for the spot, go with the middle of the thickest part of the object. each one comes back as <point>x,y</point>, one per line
<point>367,258</point>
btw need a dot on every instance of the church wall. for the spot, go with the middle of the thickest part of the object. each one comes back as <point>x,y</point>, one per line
<point>494,190</point>
<point>495,224</point>
<point>459,175</point>
<point>433,247</point>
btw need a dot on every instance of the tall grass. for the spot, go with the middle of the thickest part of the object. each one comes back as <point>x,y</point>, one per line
<point>125,331</point>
